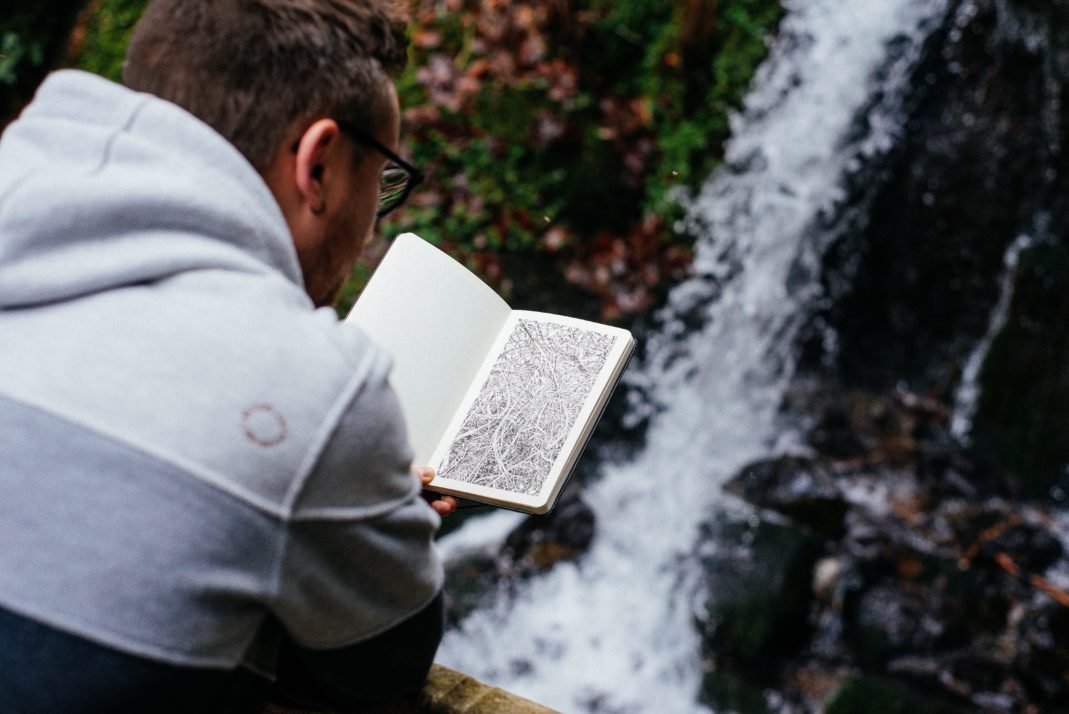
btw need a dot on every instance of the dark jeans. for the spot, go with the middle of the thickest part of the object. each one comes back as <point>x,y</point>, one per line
<point>45,670</point>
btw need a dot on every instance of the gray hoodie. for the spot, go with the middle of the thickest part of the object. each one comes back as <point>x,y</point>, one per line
<point>189,451</point>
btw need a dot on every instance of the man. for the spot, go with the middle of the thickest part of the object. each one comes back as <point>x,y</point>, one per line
<point>204,479</point>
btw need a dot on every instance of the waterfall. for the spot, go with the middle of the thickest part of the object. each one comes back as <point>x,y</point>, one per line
<point>614,631</point>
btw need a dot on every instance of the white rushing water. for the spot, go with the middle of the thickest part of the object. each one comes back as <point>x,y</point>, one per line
<point>614,631</point>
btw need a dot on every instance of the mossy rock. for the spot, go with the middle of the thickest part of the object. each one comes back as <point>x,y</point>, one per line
<point>728,692</point>
<point>801,488</point>
<point>910,604</point>
<point>1022,421</point>
<point>871,695</point>
<point>760,587</point>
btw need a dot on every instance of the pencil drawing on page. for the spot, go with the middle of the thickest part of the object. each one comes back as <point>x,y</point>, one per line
<point>518,423</point>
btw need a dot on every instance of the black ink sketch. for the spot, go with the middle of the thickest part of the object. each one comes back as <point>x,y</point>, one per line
<point>515,428</point>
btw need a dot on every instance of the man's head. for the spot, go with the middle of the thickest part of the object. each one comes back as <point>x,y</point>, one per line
<point>275,78</point>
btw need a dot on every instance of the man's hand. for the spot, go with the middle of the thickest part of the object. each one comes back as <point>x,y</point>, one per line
<point>443,505</point>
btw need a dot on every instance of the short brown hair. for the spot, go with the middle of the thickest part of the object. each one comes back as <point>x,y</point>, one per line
<point>251,69</point>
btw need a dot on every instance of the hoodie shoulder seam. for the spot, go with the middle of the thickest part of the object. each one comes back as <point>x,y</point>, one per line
<point>105,157</point>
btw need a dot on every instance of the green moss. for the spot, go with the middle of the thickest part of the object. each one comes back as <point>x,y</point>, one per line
<point>624,50</point>
<point>694,103</point>
<point>17,49</point>
<point>759,604</point>
<point>870,695</point>
<point>730,692</point>
<point>107,32</point>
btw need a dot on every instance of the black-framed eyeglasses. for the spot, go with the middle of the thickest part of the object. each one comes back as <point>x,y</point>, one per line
<point>398,178</point>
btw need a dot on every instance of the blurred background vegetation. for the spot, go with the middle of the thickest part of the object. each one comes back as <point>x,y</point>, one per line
<point>557,135</point>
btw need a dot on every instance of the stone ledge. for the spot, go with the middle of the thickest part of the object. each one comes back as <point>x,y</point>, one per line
<point>450,692</point>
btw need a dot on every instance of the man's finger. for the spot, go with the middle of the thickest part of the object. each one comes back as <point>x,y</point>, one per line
<point>444,506</point>
<point>426,474</point>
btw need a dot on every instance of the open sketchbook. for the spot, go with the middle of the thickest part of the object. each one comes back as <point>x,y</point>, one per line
<point>499,401</point>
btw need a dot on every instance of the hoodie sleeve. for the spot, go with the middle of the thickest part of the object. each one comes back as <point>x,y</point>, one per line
<point>359,557</point>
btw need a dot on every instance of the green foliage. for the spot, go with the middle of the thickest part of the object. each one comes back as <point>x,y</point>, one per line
<point>38,37</point>
<point>15,51</point>
<point>107,32</point>
<point>569,132</point>
<point>693,124</point>
<point>32,39</point>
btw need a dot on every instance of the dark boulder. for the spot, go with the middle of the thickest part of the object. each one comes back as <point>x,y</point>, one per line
<point>1043,654</point>
<point>930,586</point>
<point>875,695</point>
<point>471,582</point>
<point>802,489</point>
<point>913,276</point>
<point>759,584</point>
<point>563,534</point>
<point>913,270</point>
<point>475,579</point>
<point>1022,422</point>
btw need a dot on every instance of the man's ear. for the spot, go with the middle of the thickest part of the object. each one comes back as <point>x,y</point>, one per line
<point>316,148</point>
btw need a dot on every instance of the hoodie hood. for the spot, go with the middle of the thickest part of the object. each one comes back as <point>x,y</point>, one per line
<point>104,187</point>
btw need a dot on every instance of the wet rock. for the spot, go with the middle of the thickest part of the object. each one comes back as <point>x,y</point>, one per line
<point>913,272</point>
<point>726,691</point>
<point>991,531</point>
<point>541,541</point>
<point>470,582</point>
<point>945,609</point>
<point>932,587</point>
<point>1043,655</point>
<point>945,586</point>
<point>801,488</point>
<point>914,277</point>
<point>759,583</point>
<point>876,695</point>
<point>907,604</point>
<point>889,621</point>
<point>853,427</point>
<point>1022,420</point>
<point>949,472</point>
<point>476,579</point>
<point>835,434</point>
